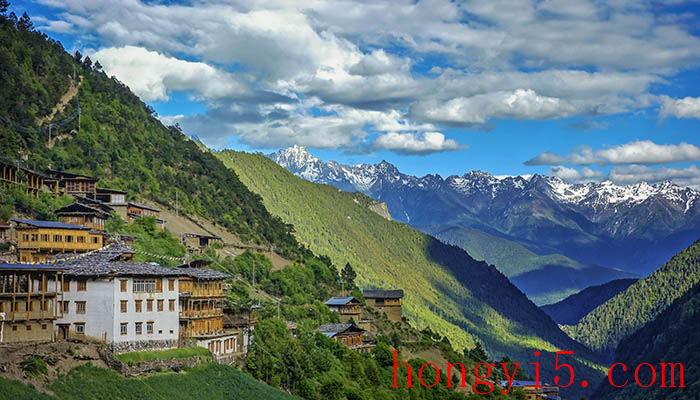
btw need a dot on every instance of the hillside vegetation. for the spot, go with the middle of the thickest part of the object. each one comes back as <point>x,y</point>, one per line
<point>570,310</point>
<point>545,279</point>
<point>604,327</point>
<point>669,338</point>
<point>119,139</point>
<point>446,289</point>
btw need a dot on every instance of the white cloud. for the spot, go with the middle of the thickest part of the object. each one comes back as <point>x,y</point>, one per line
<point>518,104</point>
<point>576,175</point>
<point>688,107</point>
<point>412,143</point>
<point>152,75</point>
<point>638,152</point>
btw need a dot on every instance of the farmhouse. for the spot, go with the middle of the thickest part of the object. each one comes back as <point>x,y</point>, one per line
<point>11,174</point>
<point>128,305</point>
<point>347,308</point>
<point>40,240</point>
<point>387,301</point>
<point>83,214</point>
<point>197,242</point>
<point>72,184</point>
<point>534,391</point>
<point>28,302</point>
<point>348,334</point>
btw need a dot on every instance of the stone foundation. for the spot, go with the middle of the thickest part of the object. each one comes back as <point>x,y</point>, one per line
<point>142,345</point>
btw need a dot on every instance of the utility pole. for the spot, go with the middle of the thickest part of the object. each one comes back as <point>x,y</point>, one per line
<point>177,203</point>
<point>50,134</point>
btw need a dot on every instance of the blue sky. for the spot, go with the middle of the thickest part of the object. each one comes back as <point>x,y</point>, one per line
<point>584,90</point>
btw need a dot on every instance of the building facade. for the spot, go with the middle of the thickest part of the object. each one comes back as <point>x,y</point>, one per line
<point>29,298</point>
<point>197,242</point>
<point>73,184</point>
<point>130,306</point>
<point>347,308</point>
<point>39,240</point>
<point>348,334</point>
<point>386,301</point>
<point>84,215</point>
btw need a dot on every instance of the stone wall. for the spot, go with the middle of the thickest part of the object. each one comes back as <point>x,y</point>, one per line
<point>142,345</point>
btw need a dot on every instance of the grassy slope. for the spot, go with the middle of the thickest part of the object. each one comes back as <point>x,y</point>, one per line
<point>604,327</point>
<point>209,381</point>
<point>665,339</point>
<point>446,289</point>
<point>570,310</point>
<point>545,279</point>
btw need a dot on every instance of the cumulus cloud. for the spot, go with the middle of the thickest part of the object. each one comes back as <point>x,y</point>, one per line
<point>412,143</point>
<point>639,152</point>
<point>518,104</point>
<point>688,107</point>
<point>576,175</point>
<point>151,75</point>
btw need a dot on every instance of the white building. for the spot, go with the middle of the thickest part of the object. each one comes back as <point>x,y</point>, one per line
<point>128,305</point>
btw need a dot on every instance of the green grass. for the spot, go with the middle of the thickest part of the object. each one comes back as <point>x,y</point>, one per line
<point>182,352</point>
<point>446,290</point>
<point>15,390</point>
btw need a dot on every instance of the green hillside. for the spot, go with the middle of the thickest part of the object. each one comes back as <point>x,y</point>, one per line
<point>604,327</point>
<point>119,139</point>
<point>446,289</point>
<point>669,338</point>
<point>545,279</point>
<point>570,310</point>
<point>209,381</point>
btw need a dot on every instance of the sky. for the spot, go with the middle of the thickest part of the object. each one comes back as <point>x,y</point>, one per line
<point>584,90</point>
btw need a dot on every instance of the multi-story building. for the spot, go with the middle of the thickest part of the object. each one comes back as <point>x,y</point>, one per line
<point>29,298</point>
<point>386,301</point>
<point>241,323</point>
<point>198,242</point>
<point>83,214</point>
<point>348,334</point>
<point>128,305</point>
<point>111,196</point>
<point>201,308</point>
<point>40,240</point>
<point>347,308</point>
<point>12,174</point>
<point>72,184</point>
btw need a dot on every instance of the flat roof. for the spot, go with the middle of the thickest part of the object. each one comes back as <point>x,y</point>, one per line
<point>139,205</point>
<point>50,224</point>
<point>339,301</point>
<point>382,294</point>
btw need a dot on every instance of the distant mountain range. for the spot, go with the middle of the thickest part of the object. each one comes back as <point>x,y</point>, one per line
<point>635,228</point>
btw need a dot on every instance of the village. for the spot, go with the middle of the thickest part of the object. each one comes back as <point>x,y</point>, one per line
<point>71,279</point>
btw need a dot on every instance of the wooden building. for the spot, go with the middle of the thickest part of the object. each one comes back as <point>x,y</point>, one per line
<point>32,181</point>
<point>201,294</point>
<point>80,213</point>
<point>135,211</point>
<point>28,302</point>
<point>348,334</point>
<point>387,301</point>
<point>197,242</point>
<point>40,240</point>
<point>240,323</point>
<point>111,196</point>
<point>347,308</point>
<point>6,232</point>
<point>73,184</point>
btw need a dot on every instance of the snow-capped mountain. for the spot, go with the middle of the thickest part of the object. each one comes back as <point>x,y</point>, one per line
<point>635,227</point>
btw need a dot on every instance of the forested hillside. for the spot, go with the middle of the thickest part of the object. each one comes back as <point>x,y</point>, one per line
<point>570,310</point>
<point>530,272</point>
<point>604,327</point>
<point>116,138</point>
<point>669,338</point>
<point>446,289</point>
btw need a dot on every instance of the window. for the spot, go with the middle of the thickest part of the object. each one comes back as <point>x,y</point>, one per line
<point>66,305</point>
<point>25,237</point>
<point>44,305</point>
<point>35,237</point>
<point>82,285</point>
<point>66,286</point>
<point>160,305</point>
<point>149,305</point>
<point>139,328</point>
<point>149,327</point>
<point>171,284</point>
<point>159,285</point>
<point>144,285</point>
<point>80,329</point>
<point>29,327</point>
<point>80,307</point>
<point>81,239</point>
<point>123,284</point>
<point>14,327</point>
<point>2,306</point>
<point>160,332</point>
<point>44,237</point>
<point>171,305</point>
<point>57,238</point>
<point>124,304</point>
<point>95,240</point>
<point>138,305</point>
<point>69,239</point>
<point>43,327</point>
<point>123,328</point>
